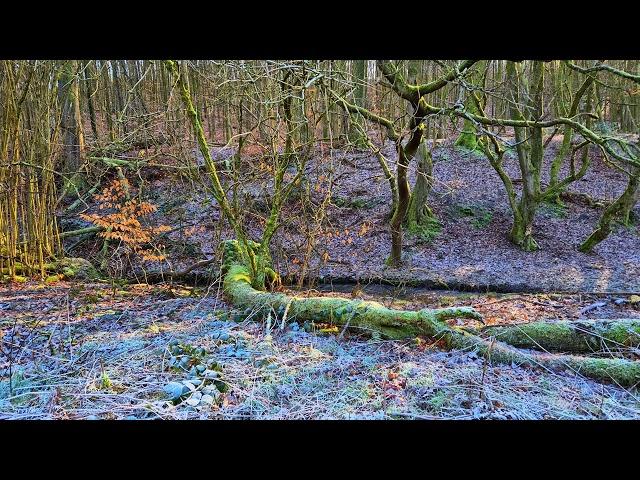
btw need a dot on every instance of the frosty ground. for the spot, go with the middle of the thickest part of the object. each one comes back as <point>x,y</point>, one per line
<point>101,351</point>
<point>118,349</point>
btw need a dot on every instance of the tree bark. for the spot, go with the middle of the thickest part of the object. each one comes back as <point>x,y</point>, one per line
<point>419,213</point>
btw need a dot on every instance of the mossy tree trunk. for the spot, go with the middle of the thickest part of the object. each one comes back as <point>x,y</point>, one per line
<point>419,214</point>
<point>404,195</point>
<point>468,138</point>
<point>405,155</point>
<point>529,150</point>
<point>565,148</point>
<point>620,209</point>
<point>372,317</point>
<point>522,230</point>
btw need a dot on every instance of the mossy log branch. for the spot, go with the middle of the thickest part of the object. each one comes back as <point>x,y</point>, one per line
<point>399,324</point>
<point>393,324</point>
<point>580,336</point>
<point>81,231</point>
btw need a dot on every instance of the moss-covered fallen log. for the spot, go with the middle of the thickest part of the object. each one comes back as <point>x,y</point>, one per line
<point>81,231</point>
<point>399,324</point>
<point>65,268</point>
<point>156,277</point>
<point>580,336</point>
<point>394,324</point>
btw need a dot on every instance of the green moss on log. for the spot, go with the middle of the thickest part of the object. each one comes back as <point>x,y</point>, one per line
<point>399,324</point>
<point>71,267</point>
<point>565,336</point>
<point>367,315</point>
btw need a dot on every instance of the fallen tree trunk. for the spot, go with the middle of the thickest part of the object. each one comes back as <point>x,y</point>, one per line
<point>435,283</point>
<point>363,314</point>
<point>67,268</point>
<point>580,336</point>
<point>398,324</point>
<point>157,277</point>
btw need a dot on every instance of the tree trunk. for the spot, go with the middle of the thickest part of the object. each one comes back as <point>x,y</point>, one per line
<point>400,324</point>
<point>521,232</point>
<point>620,209</point>
<point>468,138</point>
<point>71,126</point>
<point>565,148</point>
<point>89,95</point>
<point>404,194</point>
<point>359,95</point>
<point>583,336</point>
<point>419,213</point>
<point>529,149</point>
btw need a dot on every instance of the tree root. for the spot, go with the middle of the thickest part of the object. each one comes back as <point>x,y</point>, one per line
<point>399,324</point>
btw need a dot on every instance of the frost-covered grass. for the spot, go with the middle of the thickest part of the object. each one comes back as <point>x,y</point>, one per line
<point>116,366</point>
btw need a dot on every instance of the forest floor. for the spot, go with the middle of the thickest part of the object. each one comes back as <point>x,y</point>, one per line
<point>470,251</point>
<point>114,350</point>
<point>102,351</point>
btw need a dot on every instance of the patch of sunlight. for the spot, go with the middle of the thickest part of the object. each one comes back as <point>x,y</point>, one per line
<point>568,274</point>
<point>603,281</point>
<point>467,270</point>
